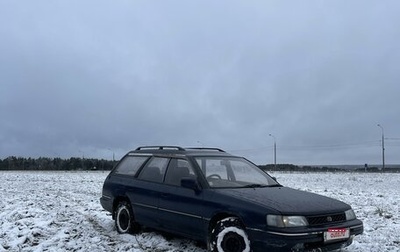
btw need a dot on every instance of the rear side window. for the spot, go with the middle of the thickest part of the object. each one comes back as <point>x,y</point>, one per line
<point>130,165</point>
<point>154,170</point>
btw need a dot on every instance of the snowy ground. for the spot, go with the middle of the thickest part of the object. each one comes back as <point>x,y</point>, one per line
<point>60,211</point>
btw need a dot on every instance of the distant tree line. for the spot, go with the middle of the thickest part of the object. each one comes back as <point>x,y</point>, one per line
<point>44,163</point>
<point>75,163</point>
<point>293,168</point>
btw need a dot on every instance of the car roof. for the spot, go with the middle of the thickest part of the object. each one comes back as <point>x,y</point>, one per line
<point>180,151</point>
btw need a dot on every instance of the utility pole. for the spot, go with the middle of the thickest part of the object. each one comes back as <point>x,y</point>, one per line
<point>274,149</point>
<point>383,147</point>
<point>83,160</point>
<point>113,154</point>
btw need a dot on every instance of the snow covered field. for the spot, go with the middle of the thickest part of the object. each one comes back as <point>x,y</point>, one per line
<point>60,211</point>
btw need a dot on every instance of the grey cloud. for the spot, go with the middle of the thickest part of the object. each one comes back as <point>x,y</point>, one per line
<point>97,77</point>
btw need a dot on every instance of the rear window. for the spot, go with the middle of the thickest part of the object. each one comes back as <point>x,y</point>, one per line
<point>130,165</point>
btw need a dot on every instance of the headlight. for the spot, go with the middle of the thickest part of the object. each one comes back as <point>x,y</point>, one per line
<point>350,215</point>
<point>286,221</point>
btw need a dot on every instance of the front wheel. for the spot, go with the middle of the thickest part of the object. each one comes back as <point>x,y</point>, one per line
<point>124,219</point>
<point>228,235</point>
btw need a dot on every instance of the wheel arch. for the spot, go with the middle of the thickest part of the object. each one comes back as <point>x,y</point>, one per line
<point>214,229</point>
<point>116,201</point>
<point>220,216</point>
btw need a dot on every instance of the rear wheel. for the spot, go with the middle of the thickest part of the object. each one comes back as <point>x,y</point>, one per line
<point>228,235</point>
<point>124,221</point>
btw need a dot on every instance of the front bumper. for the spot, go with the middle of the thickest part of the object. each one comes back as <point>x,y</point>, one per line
<point>305,240</point>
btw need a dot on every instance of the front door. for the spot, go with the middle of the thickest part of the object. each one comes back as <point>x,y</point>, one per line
<point>180,209</point>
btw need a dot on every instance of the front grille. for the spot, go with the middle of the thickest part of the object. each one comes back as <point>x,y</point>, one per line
<point>325,219</point>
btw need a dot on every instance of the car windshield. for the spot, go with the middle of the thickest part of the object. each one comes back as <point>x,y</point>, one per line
<point>231,172</point>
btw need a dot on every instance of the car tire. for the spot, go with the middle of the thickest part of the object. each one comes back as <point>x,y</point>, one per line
<point>124,221</point>
<point>228,235</point>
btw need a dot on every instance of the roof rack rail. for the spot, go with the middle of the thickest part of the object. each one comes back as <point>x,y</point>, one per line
<point>160,147</point>
<point>205,148</point>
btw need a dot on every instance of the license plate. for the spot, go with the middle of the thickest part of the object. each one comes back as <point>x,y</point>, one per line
<point>336,234</point>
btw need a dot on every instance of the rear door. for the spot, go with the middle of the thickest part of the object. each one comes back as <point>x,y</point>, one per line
<point>146,190</point>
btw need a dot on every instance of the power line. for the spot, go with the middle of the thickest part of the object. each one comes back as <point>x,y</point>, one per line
<point>364,144</point>
<point>333,146</point>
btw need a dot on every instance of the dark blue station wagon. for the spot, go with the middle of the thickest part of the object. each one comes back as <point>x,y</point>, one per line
<point>225,201</point>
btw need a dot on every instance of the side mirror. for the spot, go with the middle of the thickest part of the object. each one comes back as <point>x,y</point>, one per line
<point>190,183</point>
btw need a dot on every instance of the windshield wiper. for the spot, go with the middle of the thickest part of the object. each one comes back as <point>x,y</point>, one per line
<point>260,185</point>
<point>254,186</point>
<point>275,185</point>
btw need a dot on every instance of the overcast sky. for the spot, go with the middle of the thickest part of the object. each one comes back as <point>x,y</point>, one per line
<point>93,78</point>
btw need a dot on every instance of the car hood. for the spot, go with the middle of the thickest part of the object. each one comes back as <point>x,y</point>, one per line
<point>288,201</point>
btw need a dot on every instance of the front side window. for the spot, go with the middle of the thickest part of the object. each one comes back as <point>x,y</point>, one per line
<point>154,170</point>
<point>130,165</point>
<point>233,172</point>
<point>178,169</point>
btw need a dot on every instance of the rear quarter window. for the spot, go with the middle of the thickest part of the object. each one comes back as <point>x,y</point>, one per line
<point>130,165</point>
